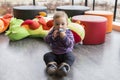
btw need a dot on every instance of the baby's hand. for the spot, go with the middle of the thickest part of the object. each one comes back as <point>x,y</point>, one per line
<point>55,34</point>
<point>62,32</point>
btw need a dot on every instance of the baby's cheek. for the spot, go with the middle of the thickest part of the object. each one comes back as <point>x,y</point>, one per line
<point>56,27</point>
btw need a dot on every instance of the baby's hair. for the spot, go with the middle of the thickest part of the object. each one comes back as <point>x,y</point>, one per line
<point>60,14</point>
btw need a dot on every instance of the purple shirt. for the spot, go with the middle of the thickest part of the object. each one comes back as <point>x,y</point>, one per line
<point>59,45</point>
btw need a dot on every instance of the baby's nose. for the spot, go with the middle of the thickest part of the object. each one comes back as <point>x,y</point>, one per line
<point>60,26</point>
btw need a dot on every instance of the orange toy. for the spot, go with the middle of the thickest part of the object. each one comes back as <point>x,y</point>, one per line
<point>43,14</point>
<point>107,14</point>
<point>4,22</point>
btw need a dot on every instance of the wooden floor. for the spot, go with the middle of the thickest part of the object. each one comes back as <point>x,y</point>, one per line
<point>23,60</point>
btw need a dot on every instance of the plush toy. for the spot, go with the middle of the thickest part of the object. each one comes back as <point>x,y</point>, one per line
<point>78,31</point>
<point>39,27</point>
<point>15,31</point>
<point>4,22</point>
<point>36,27</point>
<point>20,29</point>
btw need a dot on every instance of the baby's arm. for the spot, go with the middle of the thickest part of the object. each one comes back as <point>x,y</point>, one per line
<point>55,34</point>
<point>62,34</point>
<point>68,39</point>
<point>49,38</point>
<point>52,36</point>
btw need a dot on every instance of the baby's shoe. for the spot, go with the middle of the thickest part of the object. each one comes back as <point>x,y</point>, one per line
<point>51,68</point>
<point>63,69</point>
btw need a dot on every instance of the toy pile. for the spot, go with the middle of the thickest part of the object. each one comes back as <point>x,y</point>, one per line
<point>17,29</point>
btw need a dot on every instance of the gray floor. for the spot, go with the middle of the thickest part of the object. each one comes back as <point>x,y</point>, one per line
<point>23,60</point>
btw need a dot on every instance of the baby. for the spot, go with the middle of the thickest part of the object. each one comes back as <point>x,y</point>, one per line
<point>61,41</point>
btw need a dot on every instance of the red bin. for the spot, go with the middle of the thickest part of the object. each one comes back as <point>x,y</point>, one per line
<point>95,28</point>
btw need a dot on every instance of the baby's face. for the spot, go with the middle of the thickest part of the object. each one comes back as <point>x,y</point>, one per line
<point>60,22</point>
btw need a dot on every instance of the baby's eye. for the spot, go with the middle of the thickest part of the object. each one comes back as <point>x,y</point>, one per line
<point>57,24</point>
<point>63,24</point>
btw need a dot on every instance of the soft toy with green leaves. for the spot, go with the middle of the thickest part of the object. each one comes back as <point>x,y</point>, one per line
<point>15,31</point>
<point>39,27</point>
<point>20,29</point>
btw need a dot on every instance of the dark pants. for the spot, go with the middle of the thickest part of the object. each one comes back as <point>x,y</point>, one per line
<point>59,58</point>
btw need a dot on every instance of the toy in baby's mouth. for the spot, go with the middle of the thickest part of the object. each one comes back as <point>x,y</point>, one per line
<point>39,27</point>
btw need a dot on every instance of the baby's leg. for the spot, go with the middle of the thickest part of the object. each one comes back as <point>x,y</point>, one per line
<point>68,60</point>
<point>49,59</point>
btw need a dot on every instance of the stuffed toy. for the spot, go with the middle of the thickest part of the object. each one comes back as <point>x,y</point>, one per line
<point>39,27</point>
<point>36,27</point>
<point>4,22</point>
<point>15,31</point>
<point>20,29</point>
<point>78,31</point>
